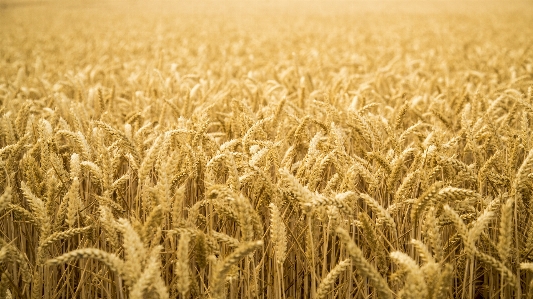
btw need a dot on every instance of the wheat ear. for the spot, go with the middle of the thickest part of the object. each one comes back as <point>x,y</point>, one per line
<point>433,234</point>
<point>57,236</point>
<point>201,250</point>
<point>423,251</point>
<point>424,200</point>
<point>377,208</point>
<point>303,195</point>
<point>38,209</point>
<point>109,259</point>
<point>5,199</point>
<point>134,250</point>
<point>327,283</point>
<point>479,225</point>
<point>444,283</point>
<point>182,269</point>
<point>278,233</point>
<point>4,291</point>
<point>150,279</point>
<point>415,286</point>
<point>506,233</point>
<point>224,238</point>
<point>224,267</point>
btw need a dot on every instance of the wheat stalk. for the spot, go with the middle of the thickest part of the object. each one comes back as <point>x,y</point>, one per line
<point>363,266</point>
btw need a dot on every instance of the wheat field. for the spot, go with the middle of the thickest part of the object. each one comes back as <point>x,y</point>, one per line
<point>273,149</point>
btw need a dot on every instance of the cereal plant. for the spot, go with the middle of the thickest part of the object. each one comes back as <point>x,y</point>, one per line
<point>274,149</point>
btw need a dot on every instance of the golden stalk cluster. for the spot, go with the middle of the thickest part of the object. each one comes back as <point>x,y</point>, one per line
<point>218,155</point>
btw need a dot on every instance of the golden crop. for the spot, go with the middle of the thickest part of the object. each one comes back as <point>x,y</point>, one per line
<point>242,149</point>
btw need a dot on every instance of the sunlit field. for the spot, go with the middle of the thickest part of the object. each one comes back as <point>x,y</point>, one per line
<point>266,149</point>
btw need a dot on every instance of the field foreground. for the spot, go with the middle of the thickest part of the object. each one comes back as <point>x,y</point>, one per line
<point>237,149</point>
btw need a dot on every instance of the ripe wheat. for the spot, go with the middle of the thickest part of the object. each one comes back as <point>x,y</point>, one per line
<point>266,150</point>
